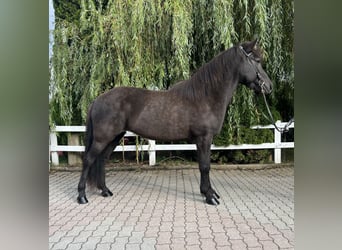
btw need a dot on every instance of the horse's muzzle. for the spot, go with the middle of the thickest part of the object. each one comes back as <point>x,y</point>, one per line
<point>264,87</point>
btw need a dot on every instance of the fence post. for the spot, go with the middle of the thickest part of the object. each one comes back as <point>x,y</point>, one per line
<point>74,157</point>
<point>277,142</point>
<point>53,142</point>
<point>152,152</point>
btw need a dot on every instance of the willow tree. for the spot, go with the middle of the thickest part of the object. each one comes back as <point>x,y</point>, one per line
<point>155,43</point>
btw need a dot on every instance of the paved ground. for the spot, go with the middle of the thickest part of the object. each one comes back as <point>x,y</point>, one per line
<point>163,209</point>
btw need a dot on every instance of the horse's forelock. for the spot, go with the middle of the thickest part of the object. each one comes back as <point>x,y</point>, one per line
<point>258,52</point>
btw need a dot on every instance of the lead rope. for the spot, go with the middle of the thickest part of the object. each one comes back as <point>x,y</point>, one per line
<point>285,129</point>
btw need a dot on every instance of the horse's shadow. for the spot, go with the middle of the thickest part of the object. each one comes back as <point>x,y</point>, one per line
<point>70,191</point>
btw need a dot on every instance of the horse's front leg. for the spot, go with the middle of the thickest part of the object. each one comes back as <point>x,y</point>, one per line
<point>203,148</point>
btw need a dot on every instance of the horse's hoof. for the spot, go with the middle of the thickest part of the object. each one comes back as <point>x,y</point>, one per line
<point>106,193</point>
<point>212,201</point>
<point>82,200</point>
<point>216,195</point>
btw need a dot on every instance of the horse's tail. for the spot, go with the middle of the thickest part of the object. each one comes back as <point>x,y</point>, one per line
<point>88,139</point>
<point>95,168</point>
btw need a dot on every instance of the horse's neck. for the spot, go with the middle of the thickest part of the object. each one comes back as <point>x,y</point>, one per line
<point>225,91</point>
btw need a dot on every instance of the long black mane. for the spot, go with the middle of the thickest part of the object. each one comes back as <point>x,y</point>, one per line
<point>206,81</point>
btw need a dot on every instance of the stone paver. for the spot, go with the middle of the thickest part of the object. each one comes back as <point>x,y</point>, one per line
<point>163,209</point>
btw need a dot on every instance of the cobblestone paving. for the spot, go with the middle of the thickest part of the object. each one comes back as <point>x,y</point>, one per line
<point>163,209</point>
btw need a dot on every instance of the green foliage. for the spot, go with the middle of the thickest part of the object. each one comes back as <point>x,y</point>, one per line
<point>67,10</point>
<point>155,43</point>
<point>241,156</point>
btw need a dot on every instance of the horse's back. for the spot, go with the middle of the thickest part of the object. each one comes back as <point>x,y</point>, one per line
<point>163,115</point>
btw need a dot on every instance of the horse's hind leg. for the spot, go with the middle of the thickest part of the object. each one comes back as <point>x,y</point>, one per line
<point>89,160</point>
<point>82,199</point>
<point>101,179</point>
<point>101,184</point>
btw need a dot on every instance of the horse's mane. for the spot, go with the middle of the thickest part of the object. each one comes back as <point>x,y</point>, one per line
<point>208,78</point>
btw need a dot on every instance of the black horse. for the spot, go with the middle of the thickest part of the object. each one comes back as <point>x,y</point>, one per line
<point>191,110</point>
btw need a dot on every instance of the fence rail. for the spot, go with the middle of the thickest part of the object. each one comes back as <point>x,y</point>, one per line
<point>152,147</point>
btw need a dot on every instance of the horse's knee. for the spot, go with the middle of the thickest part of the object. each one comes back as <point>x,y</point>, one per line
<point>204,168</point>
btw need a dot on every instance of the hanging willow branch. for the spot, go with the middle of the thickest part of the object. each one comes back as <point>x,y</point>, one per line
<point>155,43</point>
<point>224,34</point>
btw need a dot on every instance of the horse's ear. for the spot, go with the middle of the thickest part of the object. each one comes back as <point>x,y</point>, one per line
<point>249,46</point>
<point>254,43</point>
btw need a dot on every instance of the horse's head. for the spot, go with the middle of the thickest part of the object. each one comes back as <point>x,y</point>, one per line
<point>251,72</point>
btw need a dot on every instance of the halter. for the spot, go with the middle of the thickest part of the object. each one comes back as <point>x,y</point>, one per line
<point>261,83</point>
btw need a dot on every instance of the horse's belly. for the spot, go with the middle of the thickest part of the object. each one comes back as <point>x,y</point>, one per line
<point>161,126</point>
<point>160,131</point>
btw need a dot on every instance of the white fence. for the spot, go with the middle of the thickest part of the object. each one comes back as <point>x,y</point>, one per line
<point>152,147</point>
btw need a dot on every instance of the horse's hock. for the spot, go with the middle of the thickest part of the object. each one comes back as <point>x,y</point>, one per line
<point>74,157</point>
